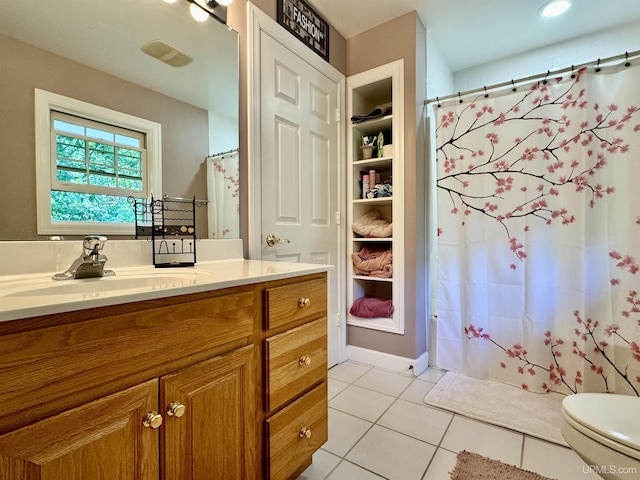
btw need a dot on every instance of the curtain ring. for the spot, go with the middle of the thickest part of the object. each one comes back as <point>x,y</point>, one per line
<point>460,97</point>
<point>598,66</point>
<point>544,81</point>
<point>573,75</point>
<point>627,63</point>
<point>486,95</point>
<point>438,102</point>
<point>513,85</point>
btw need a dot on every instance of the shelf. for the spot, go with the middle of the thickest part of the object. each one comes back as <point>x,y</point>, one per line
<point>381,323</point>
<point>373,161</point>
<point>363,319</point>
<point>374,123</point>
<point>373,239</point>
<point>372,279</point>
<point>374,201</point>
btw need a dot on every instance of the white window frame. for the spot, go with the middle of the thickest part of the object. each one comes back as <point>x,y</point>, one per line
<point>47,101</point>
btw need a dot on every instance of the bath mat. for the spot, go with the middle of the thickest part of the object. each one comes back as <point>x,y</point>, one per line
<point>536,414</point>
<point>471,466</point>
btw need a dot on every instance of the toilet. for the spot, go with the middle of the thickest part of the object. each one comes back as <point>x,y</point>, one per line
<point>604,430</point>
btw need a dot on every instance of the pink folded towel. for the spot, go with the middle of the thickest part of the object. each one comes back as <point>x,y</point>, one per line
<point>372,307</point>
<point>376,263</point>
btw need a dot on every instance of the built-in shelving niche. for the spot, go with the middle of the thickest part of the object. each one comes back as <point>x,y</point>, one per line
<point>366,91</point>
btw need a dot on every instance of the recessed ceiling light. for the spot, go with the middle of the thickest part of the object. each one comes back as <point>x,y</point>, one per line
<point>554,8</point>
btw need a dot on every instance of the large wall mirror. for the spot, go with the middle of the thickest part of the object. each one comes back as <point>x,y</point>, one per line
<point>91,50</point>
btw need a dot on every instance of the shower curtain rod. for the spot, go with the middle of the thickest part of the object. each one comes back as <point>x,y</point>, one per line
<point>223,154</point>
<point>626,56</point>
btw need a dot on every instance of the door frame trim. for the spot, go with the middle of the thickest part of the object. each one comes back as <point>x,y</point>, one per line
<point>257,22</point>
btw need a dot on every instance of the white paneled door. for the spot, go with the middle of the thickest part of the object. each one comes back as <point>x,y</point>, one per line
<point>299,179</point>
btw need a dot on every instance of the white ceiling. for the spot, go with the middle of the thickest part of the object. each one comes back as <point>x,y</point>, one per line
<point>471,32</point>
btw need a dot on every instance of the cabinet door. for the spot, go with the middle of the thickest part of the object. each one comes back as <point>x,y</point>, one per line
<point>208,433</point>
<point>102,440</point>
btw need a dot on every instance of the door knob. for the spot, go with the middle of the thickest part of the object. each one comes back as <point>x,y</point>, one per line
<point>272,240</point>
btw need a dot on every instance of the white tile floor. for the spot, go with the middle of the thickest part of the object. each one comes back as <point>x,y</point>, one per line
<point>380,427</point>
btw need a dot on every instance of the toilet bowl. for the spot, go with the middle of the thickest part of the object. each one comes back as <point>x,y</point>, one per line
<point>604,430</point>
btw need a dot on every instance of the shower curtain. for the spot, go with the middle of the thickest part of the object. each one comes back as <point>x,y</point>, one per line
<point>538,191</point>
<point>223,192</point>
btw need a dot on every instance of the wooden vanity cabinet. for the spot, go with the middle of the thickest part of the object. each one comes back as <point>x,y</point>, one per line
<point>295,372</point>
<point>168,389</point>
<point>161,389</point>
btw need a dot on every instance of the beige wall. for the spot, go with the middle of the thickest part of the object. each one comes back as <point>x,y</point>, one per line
<point>403,37</point>
<point>184,129</point>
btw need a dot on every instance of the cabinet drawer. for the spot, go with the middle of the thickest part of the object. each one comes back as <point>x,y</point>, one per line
<point>294,433</point>
<point>295,360</point>
<point>294,301</point>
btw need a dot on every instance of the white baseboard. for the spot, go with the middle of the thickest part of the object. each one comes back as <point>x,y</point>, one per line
<point>388,361</point>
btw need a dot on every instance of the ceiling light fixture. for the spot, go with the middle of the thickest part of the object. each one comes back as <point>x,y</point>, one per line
<point>554,8</point>
<point>201,9</point>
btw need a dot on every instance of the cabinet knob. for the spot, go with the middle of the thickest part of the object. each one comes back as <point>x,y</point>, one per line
<point>304,302</point>
<point>152,420</point>
<point>176,409</point>
<point>305,433</point>
<point>305,360</point>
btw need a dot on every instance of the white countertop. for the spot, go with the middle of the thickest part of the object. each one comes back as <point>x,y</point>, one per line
<point>23,296</point>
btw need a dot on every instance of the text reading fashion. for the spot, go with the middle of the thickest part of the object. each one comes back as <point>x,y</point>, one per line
<point>307,25</point>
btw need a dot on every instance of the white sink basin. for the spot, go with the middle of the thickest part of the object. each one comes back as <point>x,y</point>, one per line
<point>149,280</point>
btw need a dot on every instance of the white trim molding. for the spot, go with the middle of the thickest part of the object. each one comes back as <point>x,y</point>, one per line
<point>47,101</point>
<point>387,361</point>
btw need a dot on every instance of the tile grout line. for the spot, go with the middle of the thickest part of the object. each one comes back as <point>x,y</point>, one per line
<point>343,458</point>
<point>438,447</point>
<point>396,398</point>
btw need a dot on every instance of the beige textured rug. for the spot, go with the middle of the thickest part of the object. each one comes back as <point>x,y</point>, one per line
<point>536,414</point>
<point>471,466</point>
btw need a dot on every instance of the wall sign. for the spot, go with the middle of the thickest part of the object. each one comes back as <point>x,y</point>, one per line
<point>305,23</point>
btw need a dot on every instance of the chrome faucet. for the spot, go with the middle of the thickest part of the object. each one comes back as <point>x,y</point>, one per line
<point>91,263</point>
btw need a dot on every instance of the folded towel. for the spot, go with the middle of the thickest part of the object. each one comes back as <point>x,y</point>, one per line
<point>372,307</point>
<point>379,111</point>
<point>373,262</point>
<point>371,224</point>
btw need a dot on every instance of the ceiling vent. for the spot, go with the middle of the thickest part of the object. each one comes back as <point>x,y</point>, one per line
<point>166,53</point>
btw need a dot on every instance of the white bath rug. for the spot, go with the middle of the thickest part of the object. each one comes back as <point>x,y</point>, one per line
<point>536,414</point>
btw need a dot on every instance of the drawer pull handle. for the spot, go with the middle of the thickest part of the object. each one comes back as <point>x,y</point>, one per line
<point>152,420</point>
<point>176,409</point>
<point>304,361</point>
<point>305,433</point>
<point>304,302</point>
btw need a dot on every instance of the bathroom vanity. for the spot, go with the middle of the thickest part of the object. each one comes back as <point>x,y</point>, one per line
<point>223,377</point>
